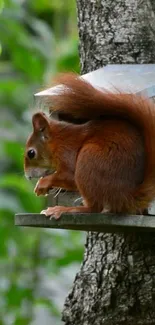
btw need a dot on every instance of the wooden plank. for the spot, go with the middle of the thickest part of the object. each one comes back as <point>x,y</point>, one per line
<point>90,222</point>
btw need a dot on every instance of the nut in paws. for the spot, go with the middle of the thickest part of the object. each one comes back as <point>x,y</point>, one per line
<point>42,187</point>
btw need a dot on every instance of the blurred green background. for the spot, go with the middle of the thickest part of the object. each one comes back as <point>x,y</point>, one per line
<point>38,38</point>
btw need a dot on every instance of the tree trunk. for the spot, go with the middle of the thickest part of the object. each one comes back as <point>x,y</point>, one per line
<point>116,282</point>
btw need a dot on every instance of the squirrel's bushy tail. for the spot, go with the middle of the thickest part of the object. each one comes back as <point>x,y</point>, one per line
<point>82,100</point>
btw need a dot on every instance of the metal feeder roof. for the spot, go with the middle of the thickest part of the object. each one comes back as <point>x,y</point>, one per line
<point>129,78</point>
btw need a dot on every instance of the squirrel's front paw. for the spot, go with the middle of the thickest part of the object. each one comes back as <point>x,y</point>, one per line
<point>42,187</point>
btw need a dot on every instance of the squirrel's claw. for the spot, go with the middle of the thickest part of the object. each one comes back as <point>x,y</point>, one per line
<point>53,212</point>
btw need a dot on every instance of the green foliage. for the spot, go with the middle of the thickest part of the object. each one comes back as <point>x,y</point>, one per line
<point>1,8</point>
<point>38,39</point>
<point>1,5</point>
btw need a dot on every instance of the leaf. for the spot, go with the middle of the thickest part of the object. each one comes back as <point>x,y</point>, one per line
<point>19,185</point>
<point>15,294</point>
<point>48,304</point>
<point>9,203</point>
<point>22,320</point>
<point>1,5</point>
<point>1,8</point>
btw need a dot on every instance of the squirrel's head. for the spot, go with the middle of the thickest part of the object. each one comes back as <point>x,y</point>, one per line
<point>38,155</point>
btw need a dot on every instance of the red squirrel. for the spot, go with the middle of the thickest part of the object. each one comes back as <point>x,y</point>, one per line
<point>109,159</point>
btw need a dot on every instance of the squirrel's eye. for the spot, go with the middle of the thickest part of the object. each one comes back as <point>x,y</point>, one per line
<point>31,153</point>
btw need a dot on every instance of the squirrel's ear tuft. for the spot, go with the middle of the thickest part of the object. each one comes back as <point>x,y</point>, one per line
<point>40,122</point>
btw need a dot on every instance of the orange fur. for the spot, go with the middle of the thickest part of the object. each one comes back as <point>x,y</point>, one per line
<point>110,159</point>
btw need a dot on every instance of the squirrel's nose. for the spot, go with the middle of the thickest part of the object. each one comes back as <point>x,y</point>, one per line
<point>28,176</point>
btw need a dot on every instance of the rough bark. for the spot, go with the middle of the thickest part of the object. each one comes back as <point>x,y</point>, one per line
<point>116,31</point>
<point>116,282</point>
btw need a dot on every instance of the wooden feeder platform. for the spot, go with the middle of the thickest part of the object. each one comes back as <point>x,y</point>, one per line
<point>96,222</point>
